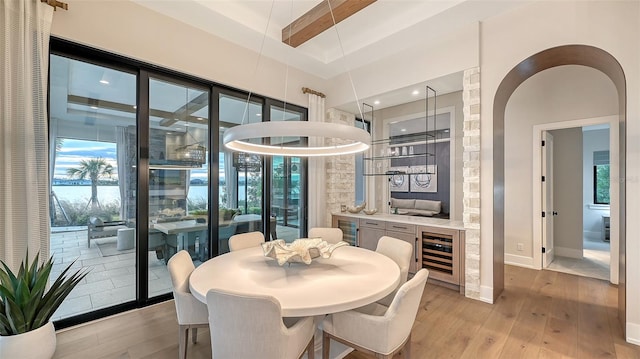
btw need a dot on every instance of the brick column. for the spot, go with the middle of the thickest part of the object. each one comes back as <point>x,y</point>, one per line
<point>340,170</point>
<point>471,180</point>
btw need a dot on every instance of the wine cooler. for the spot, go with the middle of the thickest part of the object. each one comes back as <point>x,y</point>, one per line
<point>440,254</point>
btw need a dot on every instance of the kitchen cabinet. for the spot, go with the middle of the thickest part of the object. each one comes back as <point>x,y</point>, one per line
<point>370,231</point>
<point>438,244</point>
<point>407,233</point>
<point>366,232</point>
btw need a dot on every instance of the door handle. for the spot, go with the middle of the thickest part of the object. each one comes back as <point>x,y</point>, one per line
<point>555,213</point>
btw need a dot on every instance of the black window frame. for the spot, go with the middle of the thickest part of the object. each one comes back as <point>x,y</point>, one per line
<point>144,70</point>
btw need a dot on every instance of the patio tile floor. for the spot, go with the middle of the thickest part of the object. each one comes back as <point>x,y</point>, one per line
<point>111,280</point>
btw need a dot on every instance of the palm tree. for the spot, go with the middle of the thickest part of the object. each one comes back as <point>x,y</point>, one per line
<point>94,169</point>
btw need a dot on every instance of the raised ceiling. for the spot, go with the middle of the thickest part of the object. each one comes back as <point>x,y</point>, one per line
<point>377,31</point>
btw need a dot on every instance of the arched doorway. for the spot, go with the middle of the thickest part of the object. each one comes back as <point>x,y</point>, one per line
<point>558,56</point>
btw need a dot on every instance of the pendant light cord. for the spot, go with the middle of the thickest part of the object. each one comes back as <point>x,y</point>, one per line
<point>344,57</point>
<point>255,71</point>
<point>286,74</point>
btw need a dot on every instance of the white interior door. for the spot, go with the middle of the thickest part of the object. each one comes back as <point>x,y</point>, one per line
<point>547,199</point>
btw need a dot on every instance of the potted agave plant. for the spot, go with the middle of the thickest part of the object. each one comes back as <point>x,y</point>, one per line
<point>26,307</point>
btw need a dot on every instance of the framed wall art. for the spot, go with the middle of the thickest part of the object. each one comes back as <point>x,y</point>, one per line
<point>399,182</point>
<point>423,180</point>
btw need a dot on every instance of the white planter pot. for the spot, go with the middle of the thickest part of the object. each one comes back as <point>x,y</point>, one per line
<point>36,344</point>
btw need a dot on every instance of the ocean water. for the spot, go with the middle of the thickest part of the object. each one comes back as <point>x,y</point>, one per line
<point>108,194</point>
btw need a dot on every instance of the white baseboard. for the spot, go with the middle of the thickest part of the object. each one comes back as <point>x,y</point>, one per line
<point>486,294</point>
<point>520,261</point>
<point>568,252</point>
<point>633,333</point>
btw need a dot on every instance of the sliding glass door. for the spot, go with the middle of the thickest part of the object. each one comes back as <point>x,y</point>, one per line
<point>93,140</point>
<point>138,174</point>
<point>240,174</point>
<point>287,174</point>
<point>178,177</point>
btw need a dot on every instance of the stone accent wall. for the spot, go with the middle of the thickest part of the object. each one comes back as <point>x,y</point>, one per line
<point>471,180</point>
<point>340,170</point>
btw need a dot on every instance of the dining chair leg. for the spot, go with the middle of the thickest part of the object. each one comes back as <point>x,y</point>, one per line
<point>326,342</point>
<point>407,348</point>
<point>311,348</point>
<point>183,337</point>
<point>194,335</point>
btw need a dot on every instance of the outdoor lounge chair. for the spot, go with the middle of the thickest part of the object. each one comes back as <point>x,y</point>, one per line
<point>100,229</point>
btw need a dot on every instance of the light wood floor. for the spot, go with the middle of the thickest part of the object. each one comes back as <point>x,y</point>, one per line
<point>541,314</point>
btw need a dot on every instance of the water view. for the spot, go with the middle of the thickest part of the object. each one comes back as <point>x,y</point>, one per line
<point>110,194</point>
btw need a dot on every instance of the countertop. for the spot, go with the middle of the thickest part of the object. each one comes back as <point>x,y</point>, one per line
<point>398,218</point>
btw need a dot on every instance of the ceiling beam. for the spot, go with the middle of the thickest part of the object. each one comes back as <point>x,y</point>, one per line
<point>319,19</point>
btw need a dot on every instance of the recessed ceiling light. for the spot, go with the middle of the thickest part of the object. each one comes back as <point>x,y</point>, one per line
<point>258,114</point>
<point>135,107</point>
<point>415,92</point>
<point>94,107</point>
<point>104,82</point>
<point>200,119</point>
<point>403,130</point>
<point>446,130</point>
<point>376,102</point>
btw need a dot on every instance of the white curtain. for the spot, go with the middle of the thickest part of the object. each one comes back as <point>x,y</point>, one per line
<point>187,184</point>
<point>121,163</point>
<point>24,179</point>
<point>230,178</point>
<point>317,186</point>
<point>53,136</point>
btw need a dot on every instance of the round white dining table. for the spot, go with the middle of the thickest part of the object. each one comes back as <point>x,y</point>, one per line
<point>351,278</point>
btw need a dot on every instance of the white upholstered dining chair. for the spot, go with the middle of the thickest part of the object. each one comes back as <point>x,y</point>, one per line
<point>192,314</point>
<point>376,329</point>
<point>331,235</point>
<point>245,240</point>
<point>400,252</point>
<point>251,326</point>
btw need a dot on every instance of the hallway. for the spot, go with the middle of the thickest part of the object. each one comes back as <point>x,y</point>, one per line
<point>594,263</point>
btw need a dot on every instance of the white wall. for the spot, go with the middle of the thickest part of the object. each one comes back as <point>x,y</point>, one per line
<point>557,94</point>
<point>427,60</point>
<point>131,30</point>
<point>508,39</point>
<point>593,140</point>
<point>567,192</point>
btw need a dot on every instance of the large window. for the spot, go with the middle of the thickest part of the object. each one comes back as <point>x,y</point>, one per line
<point>240,174</point>
<point>139,173</point>
<point>287,204</point>
<point>93,130</point>
<point>601,177</point>
<point>178,176</point>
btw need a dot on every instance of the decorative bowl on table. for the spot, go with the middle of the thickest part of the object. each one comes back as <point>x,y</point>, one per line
<point>302,250</point>
<point>370,211</point>
<point>358,208</point>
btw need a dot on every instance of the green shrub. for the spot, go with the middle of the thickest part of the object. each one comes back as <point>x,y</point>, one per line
<point>79,214</point>
<point>199,203</point>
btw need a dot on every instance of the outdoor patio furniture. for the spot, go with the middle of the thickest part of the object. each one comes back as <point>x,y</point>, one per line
<point>97,228</point>
<point>126,239</point>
